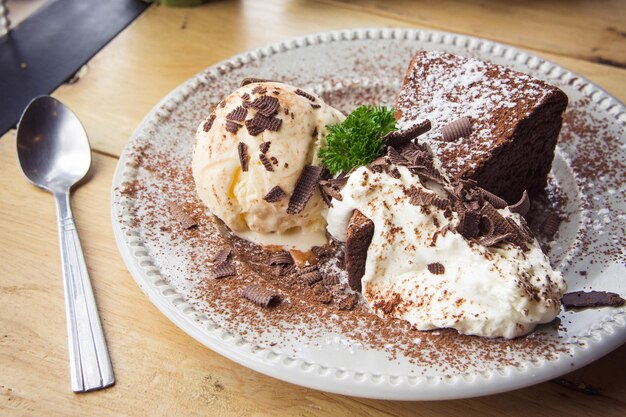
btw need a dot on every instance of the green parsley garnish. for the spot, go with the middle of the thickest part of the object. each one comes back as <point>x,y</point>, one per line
<point>357,140</point>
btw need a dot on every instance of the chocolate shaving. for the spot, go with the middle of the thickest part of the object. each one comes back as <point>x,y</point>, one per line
<point>457,129</point>
<point>260,123</point>
<point>469,221</point>
<point>311,278</point>
<point>259,89</point>
<point>493,199</point>
<point>304,188</point>
<point>223,270</point>
<point>330,279</point>
<point>551,225</point>
<point>251,80</point>
<point>395,173</point>
<point>436,268</point>
<point>265,105</point>
<point>419,197</point>
<point>281,258</point>
<point>242,150</point>
<point>266,162</point>
<point>304,94</point>
<point>261,295</point>
<point>582,299</point>
<point>181,216</point>
<point>324,297</point>
<point>428,173</point>
<point>348,302</point>
<point>232,127</point>
<point>221,256</point>
<point>274,195</point>
<point>395,158</point>
<point>265,146</point>
<point>522,206</point>
<point>274,160</point>
<point>494,240</point>
<point>238,114</point>
<point>245,97</point>
<point>207,125</point>
<point>400,137</point>
<point>315,106</point>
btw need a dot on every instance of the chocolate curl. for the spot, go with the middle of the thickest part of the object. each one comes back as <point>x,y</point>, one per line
<point>242,150</point>
<point>281,258</point>
<point>261,295</point>
<point>221,256</point>
<point>312,277</point>
<point>457,129</point>
<point>551,225</point>
<point>181,216</point>
<point>223,270</point>
<point>493,199</point>
<point>304,189</point>
<point>401,137</point>
<point>274,195</point>
<point>522,206</point>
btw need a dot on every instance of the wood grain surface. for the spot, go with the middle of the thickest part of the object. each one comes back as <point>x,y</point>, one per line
<point>160,370</point>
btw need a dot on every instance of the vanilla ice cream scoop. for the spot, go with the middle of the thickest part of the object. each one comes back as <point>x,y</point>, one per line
<point>249,154</point>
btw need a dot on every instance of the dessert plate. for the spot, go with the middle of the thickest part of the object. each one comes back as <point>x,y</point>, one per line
<point>348,68</point>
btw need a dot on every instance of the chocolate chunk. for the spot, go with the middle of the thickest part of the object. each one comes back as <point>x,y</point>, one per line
<point>265,105</point>
<point>306,185</point>
<point>261,295</point>
<point>221,256</point>
<point>400,137</point>
<point>551,225</point>
<point>232,127</point>
<point>304,94</point>
<point>493,199</point>
<point>242,149</point>
<point>238,114</point>
<point>394,157</point>
<point>251,80</point>
<point>259,89</point>
<point>274,195</point>
<point>223,270</point>
<point>265,146</point>
<point>522,206</point>
<point>348,302</point>
<point>436,268</point>
<point>459,128</point>
<point>260,123</point>
<point>281,258</point>
<point>312,277</point>
<point>358,238</point>
<point>207,125</point>
<point>181,216</point>
<point>266,162</point>
<point>580,299</point>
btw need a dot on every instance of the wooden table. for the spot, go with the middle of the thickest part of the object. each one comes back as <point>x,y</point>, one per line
<point>162,371</point>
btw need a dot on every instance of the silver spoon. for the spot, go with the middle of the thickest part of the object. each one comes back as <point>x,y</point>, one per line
<point>54,153</point>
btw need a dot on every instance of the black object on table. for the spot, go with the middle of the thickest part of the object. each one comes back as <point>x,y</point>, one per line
<point>49,47</point>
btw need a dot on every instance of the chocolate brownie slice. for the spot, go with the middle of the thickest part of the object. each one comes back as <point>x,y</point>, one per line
<point>358,238</point>
<point>515,120</point>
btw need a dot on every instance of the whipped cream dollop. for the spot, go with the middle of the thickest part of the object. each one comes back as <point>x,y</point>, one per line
<point>420,269</point>
<point>273,157</point>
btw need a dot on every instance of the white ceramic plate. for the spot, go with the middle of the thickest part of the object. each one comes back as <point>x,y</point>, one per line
<point>350,67</point>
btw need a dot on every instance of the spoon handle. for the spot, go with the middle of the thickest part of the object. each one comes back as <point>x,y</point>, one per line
<point>90,365</point>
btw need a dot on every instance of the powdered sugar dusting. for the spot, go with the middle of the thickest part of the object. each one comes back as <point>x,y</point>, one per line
<point>442,87</point>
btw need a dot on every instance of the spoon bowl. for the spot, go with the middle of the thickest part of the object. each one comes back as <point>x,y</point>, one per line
<point>52,145</point>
